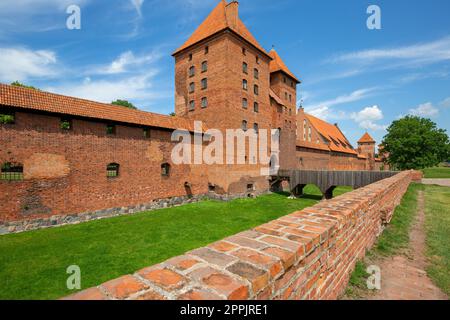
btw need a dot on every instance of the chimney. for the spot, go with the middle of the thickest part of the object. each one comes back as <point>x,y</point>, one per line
<point>232,13</point>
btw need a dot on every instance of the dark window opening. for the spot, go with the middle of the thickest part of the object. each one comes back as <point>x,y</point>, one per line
<point>65,124</point>
<point>110,129</point>
<point>256,73</point>
<point>165,169</point>
<point>244,125</point>
<point>112,170</point>
<point>211,187</point>
<point>7,118</point>
<point>190,57</point>
<point>204,66</point>
<point>250,187</point>
<point>244,51</point>
<point>146,132</point>
<point>244,103</point>
<point>191,105</point>
<point>244,68</point>
<point>204,102</point>
<point>11,172</point>
<point>256,107</point>
<point>257,59</point>
<point>191,87</point>
<point>256,128</point>
<point>244,84</point>
<point>204,84</point>
<point>206,50</point>
<point>192,71</point>
<point>256,89</point>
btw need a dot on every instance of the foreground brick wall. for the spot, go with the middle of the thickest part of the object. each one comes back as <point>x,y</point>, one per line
<point>305,255</point>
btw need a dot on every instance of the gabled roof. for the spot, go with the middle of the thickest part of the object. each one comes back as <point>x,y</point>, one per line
<point>31,99</point>
<point>277,64</point>
<point>221,18</point>
<point>337,141</point>
<point>366,138</point>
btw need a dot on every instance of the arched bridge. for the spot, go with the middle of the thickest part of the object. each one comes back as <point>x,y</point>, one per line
<point>327,181</point>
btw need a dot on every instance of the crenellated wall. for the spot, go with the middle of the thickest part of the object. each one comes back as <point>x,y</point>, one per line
<point>305,255</point>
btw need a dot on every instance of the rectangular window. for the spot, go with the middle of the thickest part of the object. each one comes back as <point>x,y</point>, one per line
<point>244,67</point>
<point>256,107</point>
<point>204,66</point>
<point>192,71</point>
<point>11,172</point>
<point>256,128</point>
<point>206,50</point>
<point>244,84</point>
<point>191,105</point>
<point>290,98</point>
<point>190,57</point>
<point>204,102</point>
<point>146,133</point>
<point>7,118</point>
<point>256,73</point>
<point>191,87</point>
<point>244,51</point>
<point>204,84</point>
<point>256,89</point>
<point>111,129</point>
<point>65,124</point>
<point>244,103</point>
<point>257,59</point>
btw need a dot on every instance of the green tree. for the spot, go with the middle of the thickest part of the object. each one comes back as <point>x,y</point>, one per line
<point>19,84</point>
<point>124,103</point>
<point>415,143</point>
<point>172,114</point>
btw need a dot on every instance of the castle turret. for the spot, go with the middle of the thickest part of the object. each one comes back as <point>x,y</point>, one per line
<point>366,146</point>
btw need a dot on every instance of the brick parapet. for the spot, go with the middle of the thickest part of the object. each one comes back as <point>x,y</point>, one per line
<point>308,254</point>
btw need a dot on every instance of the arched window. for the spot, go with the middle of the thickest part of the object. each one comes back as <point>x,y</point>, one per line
<point>256,89</point>
<point>11,171</point>
<point>204,102</point>
<point>192,71</point>
<point>191,87</point>
<point>256,128</point>
<point>112,170</point>
<point>256,107</point>
<point>204,83</point>
<point>256,73</point>
<point>244,125</point>
<point>204,66</point>
<point>165,169</point>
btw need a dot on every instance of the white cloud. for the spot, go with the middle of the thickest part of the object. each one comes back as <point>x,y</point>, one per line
<point>445,103</point>
<point>22,64</point>
<point>421,53</point>
<point>126,62</point>
<point>138,6</point>
<point>367,117</point>
<point>353,96</point>
<point>425,110</point>
<point>137,88</point>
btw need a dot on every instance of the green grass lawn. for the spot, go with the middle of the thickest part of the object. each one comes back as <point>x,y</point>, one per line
<point>437,213</point>
<point>437,173</point>
<point>33,264</point>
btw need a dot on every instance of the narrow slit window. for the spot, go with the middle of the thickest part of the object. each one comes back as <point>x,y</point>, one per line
<point>244,103</point>
<point>204,102</point>
<point>256,73</point>
<point>244,84</point>
<point>110,129</point>
<point>204,66</point>
<point>192,71</point>
<point>256,89</point>
<point>191,105</point>
<point>204,83</point>
<point>244,125</point>
<point>256,107</point>
<point>191,87</point>
<point>244,67</point>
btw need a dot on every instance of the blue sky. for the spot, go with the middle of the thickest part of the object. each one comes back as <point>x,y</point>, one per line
<point>362,79</point>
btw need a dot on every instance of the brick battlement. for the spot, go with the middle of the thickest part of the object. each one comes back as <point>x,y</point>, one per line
<point>308,254</point>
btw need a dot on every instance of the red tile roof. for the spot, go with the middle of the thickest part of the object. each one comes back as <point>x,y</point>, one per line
<point>366,138</point>
<point>312,145</point>
<point>30,99</point>
<point>338,142</point>
<point>221,18</point>
<point>277,64</point>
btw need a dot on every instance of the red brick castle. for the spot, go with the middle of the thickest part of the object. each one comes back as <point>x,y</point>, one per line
<point>66,159</point>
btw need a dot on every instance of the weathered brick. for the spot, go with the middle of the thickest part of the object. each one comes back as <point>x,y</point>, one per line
<point>258,258</point>
<point>199,294</point>
<point>214,257</point>
<point>257,277</point>
<point>164,278</point>
<point>124,287</point>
